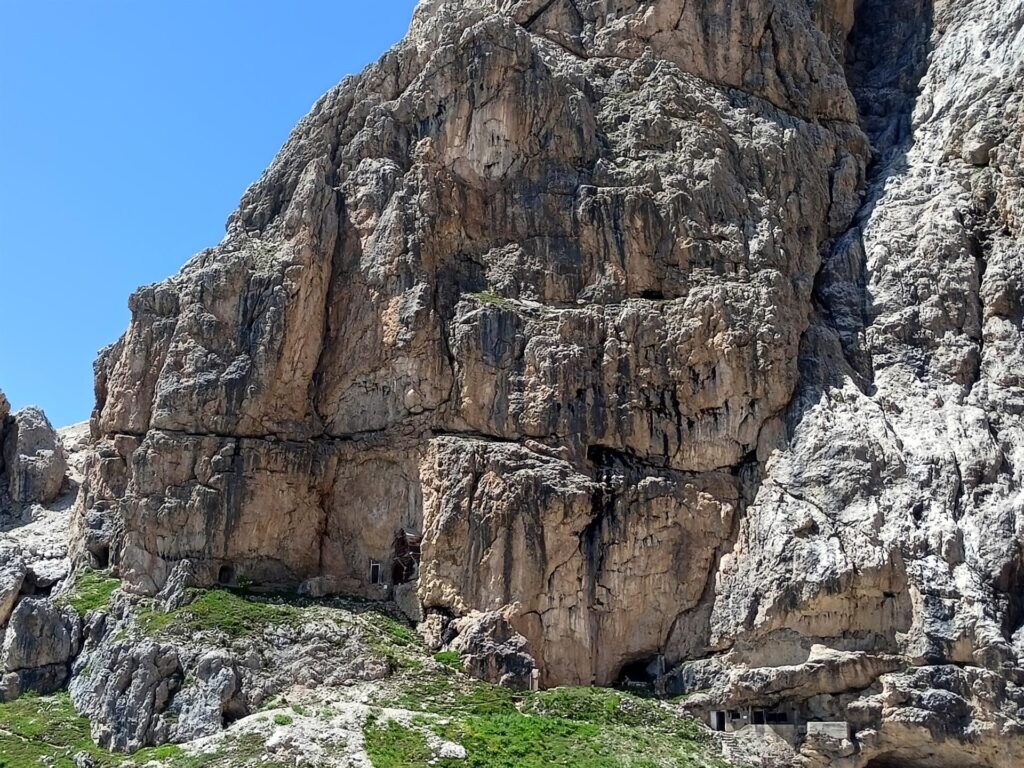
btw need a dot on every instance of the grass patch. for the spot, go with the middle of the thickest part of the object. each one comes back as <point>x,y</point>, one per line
<point>449,659</point>
<point>92,591</point>
<point>491,298</point>
<point>394,640</point>
<point>46,731</point>
<point>604,706</point>
<point>283,719</point>
<point>572,727</point>
<point>35,730</point>
<point>522,741</point>
<point>451,695</point>
<point>395,746</point>
<point>226,611</point>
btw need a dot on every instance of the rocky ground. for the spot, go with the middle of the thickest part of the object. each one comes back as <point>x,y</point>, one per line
<point>238,681</point>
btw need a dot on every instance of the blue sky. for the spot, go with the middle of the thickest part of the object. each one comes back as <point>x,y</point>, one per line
<point>128,131</point>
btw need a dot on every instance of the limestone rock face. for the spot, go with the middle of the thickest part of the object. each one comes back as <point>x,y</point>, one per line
<point>39,643</point>
<point>662,340</point>
<point>12,577</point>
<point>141,687</point>
<point>34,461</point>
<point>492,650</point>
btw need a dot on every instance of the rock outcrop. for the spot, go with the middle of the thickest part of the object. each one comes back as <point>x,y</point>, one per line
<point>34,463</point>
<point>676,342</point>
<point>38,484</point>
<point>40,641</point>
<point>143,679</point>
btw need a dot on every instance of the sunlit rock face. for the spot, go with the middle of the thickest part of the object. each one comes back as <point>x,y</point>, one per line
<point>33,461</point>
<point>681,338</point>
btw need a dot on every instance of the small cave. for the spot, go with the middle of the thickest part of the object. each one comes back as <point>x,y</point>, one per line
<point>235,709</point>
<point>641,674</point>
<point>98,551</point>
<point>226,575</point>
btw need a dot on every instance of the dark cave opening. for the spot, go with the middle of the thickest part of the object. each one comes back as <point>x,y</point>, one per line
<point>226,575</point>
<point>890,761</point>
<point>641,674</point>
<point>100,557</point>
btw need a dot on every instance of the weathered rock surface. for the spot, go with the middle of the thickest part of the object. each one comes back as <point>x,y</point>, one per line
<point>492,650</point>
<point>12,577</point>
<point>665,336</point>
<point>40,641</point>
<point>37,489</point>
<point>34,461</point>
<point>142,686</point>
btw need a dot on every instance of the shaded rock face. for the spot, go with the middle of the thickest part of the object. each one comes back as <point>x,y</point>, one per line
<point>677,330</point>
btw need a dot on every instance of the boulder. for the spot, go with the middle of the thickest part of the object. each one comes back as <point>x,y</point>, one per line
<point>34,458</point>
<point>38,646</point>
<point>492,650</point>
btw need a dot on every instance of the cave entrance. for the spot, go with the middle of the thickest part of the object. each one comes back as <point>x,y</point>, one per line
<point>642,674</point>
<point>226,575</point>
<point>405,566</point>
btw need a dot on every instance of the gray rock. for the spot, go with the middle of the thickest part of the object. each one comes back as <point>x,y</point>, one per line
<point>139,689</point>
<point>492,650</point>
<point>125,689</point>
<point>34,459</point>
<point>12,576</point>
<point>39,644</point>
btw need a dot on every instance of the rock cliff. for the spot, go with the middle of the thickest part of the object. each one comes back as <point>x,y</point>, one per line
<point>676,342</point>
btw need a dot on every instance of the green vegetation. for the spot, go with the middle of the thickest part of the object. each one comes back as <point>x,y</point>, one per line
<point>449,659</point>
<point>395,746</point>
<point>283,719</point>
<point>394,640</point>
<point>489,297</point>
<point>604,706</point>
<point>34,728</point>
<point>46,731</point>
<point>520,741</point>
<point>237,613</point>
<point>450,695</point>
<point>222,610</point>
<point>573,727</point>
<point>91,592</point>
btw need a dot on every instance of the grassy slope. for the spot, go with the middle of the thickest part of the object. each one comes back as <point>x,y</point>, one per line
<point>573,727</point>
